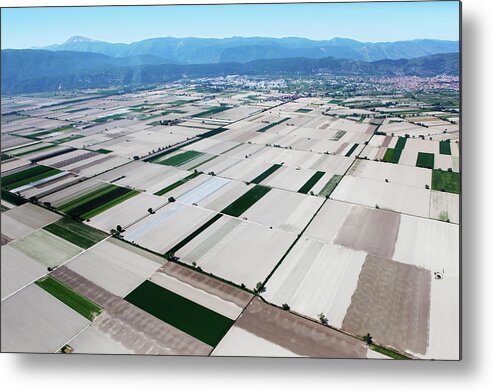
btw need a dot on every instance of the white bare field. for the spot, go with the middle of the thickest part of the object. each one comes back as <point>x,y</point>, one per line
<point>316,278</point>
<point>73,192</point>
<point>285,210</point>
<point>100,167</point>
<point>35,321</point>
<point>225,196</point>
<point>218,164</point>
<point>328,221</point>
<point>239,251</point>
<point>444,328</point>
<point>140,143</point>
<point>445,206</point>
<point>398,174</point>
<point>204,190</point>
<point>14,164</point>
<point>288,178</point>
<point>116,266</point>
<point>443,162</point>
<point>246,170</point>
<point>144,176</point>
<point>390,196</point>
<point>172,223</point>
<point>46,248</point>
<point>128,212</point>
<point>18,270</point>
<point>14,229</point>
<point>428,244</point>
<point>31,215</point>
<point>94,340</point>
<point>241,343</point>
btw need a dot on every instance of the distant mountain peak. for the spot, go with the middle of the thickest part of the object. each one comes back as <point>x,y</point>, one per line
<point>78,38</point>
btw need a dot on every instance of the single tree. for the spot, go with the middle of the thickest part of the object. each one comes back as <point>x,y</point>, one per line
<point>368,339</point>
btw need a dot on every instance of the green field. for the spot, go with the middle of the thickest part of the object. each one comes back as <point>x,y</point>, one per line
<point>273,125</point>
<point>103,151</point>
<point>76,110</point>
<point>211,111</point>
<point>38,149</point>
<point>93,203</point>
<point>12,198</point>
<point>330,186</point>
<point>27,176</point>
<point>212,132</point>
<point>348,154</point>
<point>189,317</point>
<point>311,182</point>
<point>114,117</point>
<point>69,297</point>
<point>401,143</point>
<point>302,110</point>
<point>387,352</point>
<point>157,158</point>
<point>67,139</point>
<point>445,147</point>
<point>181,102</point>
<point>265,174</point>
<point>392,155</point>
<point>191,236</point>
<point>445,181</point>
<point>245,201</point>
<point>43,133</point>
<point>426,160</point>
<point>177,184</point>
<point>77,233</point>
<point>180,158</point>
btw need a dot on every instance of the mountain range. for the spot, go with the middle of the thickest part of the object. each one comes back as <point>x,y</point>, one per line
<point>245,49</point>
<point>27,71</point>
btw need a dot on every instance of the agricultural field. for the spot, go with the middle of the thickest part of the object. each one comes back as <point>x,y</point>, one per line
<point>257,223</point>
<point>93,203</point>
<point>264,330</point>
<point>18,181</point>
<point>226,249</point>
<point>47,322</point>
<point>115,266</point>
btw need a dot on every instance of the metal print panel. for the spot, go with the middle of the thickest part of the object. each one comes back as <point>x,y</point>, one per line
<point>271,180</point>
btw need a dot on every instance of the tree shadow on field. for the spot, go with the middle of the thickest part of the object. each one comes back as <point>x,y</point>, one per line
<point>231,369</point>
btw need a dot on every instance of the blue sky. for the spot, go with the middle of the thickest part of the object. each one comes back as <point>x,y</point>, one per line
<point>369,22</point>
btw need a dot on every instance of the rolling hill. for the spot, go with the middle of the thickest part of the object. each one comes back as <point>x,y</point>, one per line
<point>27,71</point>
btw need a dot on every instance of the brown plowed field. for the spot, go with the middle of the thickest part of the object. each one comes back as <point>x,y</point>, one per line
<point>373,231</point>
<point>70,161</point>
<point>299,335</point>
<point>208,284</point>
<point>135,329</point>
<point>392,303</point>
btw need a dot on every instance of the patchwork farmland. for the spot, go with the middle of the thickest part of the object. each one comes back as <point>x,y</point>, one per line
<point>165,222</point>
